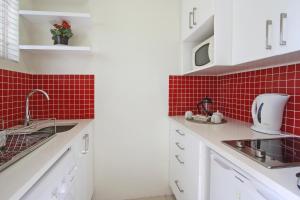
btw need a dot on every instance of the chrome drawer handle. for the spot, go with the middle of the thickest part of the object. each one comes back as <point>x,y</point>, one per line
<point>178,187</point>
<point>180,132</point>
<point>178,145</point>
<point>178,159</point>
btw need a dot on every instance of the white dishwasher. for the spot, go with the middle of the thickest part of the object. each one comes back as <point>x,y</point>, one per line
<point>58,182</point>
<point>228,182</point>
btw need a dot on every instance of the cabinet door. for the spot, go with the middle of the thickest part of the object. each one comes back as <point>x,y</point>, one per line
<point>79,147</point>
<point>203,9</point>
<point>289,30</point>
<point>83,148</point>
<point>187,18</point>
<point>228,182</point>
<point>244,188</point>
<point>89,165</point>
<point>255,29</point>
<point>191,171</point>
<point>222,182</point>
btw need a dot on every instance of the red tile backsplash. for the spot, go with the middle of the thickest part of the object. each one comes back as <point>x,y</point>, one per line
<point>71,96</point>
<point>186,91</point>
<point>233,94</point>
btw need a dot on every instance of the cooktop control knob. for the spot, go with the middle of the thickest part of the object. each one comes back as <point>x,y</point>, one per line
<point>260,153</point>
<point>298,180</point>
<point>240,144</point>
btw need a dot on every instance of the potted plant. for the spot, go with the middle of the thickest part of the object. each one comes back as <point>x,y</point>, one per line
<point>61,33</point>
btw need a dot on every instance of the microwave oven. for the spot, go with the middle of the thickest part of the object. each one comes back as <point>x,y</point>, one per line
<point>203,54</point>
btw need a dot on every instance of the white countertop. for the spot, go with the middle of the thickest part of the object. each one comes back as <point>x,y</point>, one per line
<point>283,180</point>
<point>17,179</point>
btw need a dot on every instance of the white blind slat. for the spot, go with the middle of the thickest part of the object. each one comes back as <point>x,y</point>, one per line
<point>9,29</point>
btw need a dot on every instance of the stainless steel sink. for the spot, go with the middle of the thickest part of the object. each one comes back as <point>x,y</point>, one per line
<point>21,143</point>
<point>59,128</point>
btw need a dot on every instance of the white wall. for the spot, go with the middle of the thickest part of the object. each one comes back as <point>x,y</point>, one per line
<point>135,47</point>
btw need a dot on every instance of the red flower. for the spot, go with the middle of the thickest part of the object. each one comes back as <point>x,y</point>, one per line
<point>66,25</point>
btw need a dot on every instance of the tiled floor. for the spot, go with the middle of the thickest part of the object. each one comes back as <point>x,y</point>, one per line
<point>159,198</point>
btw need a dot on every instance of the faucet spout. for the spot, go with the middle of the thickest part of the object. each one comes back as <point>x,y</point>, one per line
<point>27,116</point>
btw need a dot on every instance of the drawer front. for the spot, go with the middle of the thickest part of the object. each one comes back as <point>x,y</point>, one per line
<point>178,137</point>
<point>176,178</point>
<point>178,189</point>
<point>177,161</point>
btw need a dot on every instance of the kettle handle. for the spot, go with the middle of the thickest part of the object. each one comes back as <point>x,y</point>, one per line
<point>254,110</point>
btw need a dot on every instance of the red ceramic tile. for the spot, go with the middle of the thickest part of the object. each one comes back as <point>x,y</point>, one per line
<point>233,94</point>
<point>15,85</point>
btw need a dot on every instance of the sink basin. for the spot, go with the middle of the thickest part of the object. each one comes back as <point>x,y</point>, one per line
<point>59,128</point>
<point>21,144</point>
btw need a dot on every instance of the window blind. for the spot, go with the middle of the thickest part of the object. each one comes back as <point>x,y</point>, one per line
<point>9,29</point>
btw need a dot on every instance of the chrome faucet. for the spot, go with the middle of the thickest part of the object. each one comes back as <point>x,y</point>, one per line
<point>27,116</point>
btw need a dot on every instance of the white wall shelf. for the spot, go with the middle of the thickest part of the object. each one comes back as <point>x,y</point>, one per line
<point>54,48</point>
<point>53,17</point>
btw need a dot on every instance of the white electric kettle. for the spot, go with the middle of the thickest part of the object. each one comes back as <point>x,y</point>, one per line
<point>267,111</point>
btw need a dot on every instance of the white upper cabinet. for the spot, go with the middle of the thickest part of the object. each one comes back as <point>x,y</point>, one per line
<point>253,29</point>
<point>194,14</point>
<point>248,34</point>
<point>187,17</point>
<point>203,10</point>
<point>289,27</point>
<point>202,19</point>
<point>262,29</point>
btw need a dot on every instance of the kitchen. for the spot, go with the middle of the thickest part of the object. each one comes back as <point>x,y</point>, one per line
<point>114,113</point>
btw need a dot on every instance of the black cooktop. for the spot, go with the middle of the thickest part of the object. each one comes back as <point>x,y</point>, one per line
<point>272,153</point>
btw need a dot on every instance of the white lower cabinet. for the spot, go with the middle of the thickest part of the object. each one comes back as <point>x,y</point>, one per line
<point>229,182</point>
<point>71,177</point>
<point>83,149</point>
<point>188,165</point>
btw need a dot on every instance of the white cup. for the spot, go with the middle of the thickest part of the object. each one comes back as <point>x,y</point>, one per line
<point>217,117</point>
<point>188,115</point>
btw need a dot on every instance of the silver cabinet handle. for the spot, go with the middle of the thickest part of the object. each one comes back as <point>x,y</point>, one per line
<point>87,142</point>
<point>282,17</point>
<point>180,132</point>
<point>85,138</point>
<point>178,159</point>
<point>268,24</point>
<point>178,145</point>
<point>190,20</point>
<point>178,187</point>
<point>194,18</point>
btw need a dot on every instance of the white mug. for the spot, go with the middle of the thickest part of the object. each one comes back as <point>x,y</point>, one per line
<point>188,115</point>
<point>217,117</point>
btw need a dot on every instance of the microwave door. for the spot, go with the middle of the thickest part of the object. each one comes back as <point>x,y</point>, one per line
<point>202,56</point>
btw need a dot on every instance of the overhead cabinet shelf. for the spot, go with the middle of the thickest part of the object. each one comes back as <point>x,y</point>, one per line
<point>52,17</point>
<point>54,48</point>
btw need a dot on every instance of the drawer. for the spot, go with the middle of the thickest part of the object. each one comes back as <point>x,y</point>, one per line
<point>178,189</point>
<point>178,134</point>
